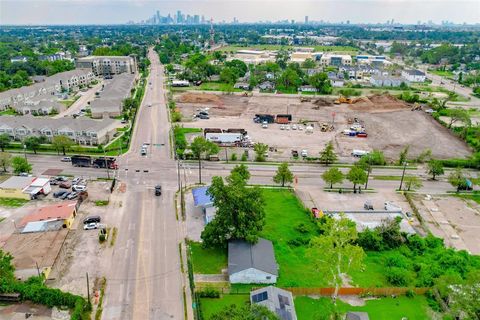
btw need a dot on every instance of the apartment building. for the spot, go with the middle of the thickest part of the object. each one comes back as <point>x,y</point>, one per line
<point>414,75</point>
<point>39,108</point>
<point>109,101</point>
<point>47,89</point>
<point>82,131</point>
<point>108,65</point>
<point>335,60</point>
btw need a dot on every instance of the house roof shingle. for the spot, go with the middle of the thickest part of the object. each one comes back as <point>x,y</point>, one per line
<point>243,255</point>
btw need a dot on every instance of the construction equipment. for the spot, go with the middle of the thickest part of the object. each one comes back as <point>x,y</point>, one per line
<point>342,99</point>
<point>305,99</point>
<point>416,107</point>
<point>326,127</point>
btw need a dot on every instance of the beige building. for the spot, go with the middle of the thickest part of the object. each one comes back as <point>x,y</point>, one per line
<point>108,65</point>
<point>82,131</point>
<point>336,60</point>
<point>109,101</point>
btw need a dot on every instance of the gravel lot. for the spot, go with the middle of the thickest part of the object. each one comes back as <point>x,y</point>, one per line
<point>391,124</point>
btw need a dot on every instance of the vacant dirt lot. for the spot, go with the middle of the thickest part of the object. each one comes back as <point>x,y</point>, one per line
<point>455,220</point>
<point>390,124</point>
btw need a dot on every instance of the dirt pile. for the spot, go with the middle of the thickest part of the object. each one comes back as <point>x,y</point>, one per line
<point>378,103</point>
<point>323,102</point>
<point>193,97</point>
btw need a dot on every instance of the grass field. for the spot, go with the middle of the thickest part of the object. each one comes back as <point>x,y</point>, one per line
<point>8,112</point>
<point>381,309</point>
<point>440,73</point>
<point>210,306</point>
<point>207,261</point>
<point>12,203</point>
<point>284,214</point>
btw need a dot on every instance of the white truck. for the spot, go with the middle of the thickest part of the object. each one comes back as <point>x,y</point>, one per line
<point>359,153</point>
<point>224,138</point>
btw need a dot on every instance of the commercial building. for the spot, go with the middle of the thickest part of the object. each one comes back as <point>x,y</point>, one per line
<point>35,253</point>
<point>335,60</point>
<point>277,300</point>
<point>414,75</point>
<point>48,89</point>
<point>254,56</point>
<point>65,211</point>
<point>82,131</point>
<point>109,101</point>
<point>108,65</point>
<point>24,187</point>
<point>366,59</point>
<point>252,263</point>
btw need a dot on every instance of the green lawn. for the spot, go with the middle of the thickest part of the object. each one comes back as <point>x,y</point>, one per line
<point>12,203</point>
<point>442,73</point>
<point>217,86</point>
<point>394,178</point>
<point>2,218</point>
<point>207,261</point>
<point>374,273</point>
<point>284,213</point>
<point>380,309</point>
<point>8,112</point>
<point>210,306</point>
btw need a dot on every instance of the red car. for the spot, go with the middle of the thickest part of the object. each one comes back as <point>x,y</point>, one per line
<point>65,185</point>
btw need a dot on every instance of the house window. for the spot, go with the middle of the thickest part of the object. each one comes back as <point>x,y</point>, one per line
<point>268,277</point>
<point>259,297</point>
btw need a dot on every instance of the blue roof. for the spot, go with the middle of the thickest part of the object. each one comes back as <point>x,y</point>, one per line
<point>201,198</point>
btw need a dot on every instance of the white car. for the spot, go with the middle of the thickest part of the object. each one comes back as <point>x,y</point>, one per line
<point>79,188</point>
<point>90,226</point>
<point>287,127</point>
<point>300,128</point>
<point>282,127</point>
<point>264,124</point>
<point>66,159</point>
<point>294,127</point>
<point>304,153</point>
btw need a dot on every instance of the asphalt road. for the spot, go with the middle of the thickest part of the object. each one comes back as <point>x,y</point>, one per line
<point>143,275</point>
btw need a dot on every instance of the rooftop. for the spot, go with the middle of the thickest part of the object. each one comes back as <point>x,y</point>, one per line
<point>17,182</point>
<point>276,300</point>
<point>201,198</point>
<point>59,211</point>
<point>414,72</point>
<point>243,255</point>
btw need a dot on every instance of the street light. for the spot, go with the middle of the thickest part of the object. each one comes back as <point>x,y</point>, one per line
<point>405,164</point>
<point>25,151</point>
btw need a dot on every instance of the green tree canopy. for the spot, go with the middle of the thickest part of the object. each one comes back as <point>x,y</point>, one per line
<point>435,168</point>
<point>5,160</point>
<point>260,150</point>
<point>356,175</point>
<point>20,164</point>
<point>240,211</point>
<point>457,179</point>
<point>321,82</point>
<point>333,176</point>
<point>4,141</point>
<point>245,312</point>
<point>327,155</point>
<point>33,143</point>
<point>62,142</point>
<point>202,147</point>
<point>283,174</point>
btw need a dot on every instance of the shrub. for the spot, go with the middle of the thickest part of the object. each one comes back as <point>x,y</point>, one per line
<point>244,157</point>
<point>396,260</point>
<point>410,293</point>
<point>302,228</point>
<point>397,276</point>
<point>102,237</point>
<point>233,157</point>
<point>176,116</point>
<point>209,293</point>
<point>298,242</point>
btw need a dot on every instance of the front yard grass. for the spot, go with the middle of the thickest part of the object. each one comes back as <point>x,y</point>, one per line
<point>210,306</point>
<point>12,203</point>
<point>415,308</point>
<point>207,261</point>
<point>289,227</point>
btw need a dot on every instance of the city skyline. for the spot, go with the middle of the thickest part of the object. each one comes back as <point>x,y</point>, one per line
<point>30,12</point>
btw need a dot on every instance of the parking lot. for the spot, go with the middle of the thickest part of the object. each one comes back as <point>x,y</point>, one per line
<point>389,123</point>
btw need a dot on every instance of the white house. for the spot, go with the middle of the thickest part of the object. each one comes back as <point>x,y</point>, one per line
<point>414,75</point>
<point>252,263</point>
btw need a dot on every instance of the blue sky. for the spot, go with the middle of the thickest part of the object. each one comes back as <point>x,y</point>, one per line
<point>121,11</point>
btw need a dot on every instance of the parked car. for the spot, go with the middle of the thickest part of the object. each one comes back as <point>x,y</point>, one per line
<point>53,181</point>
<point>368,205</point>
<point>90,226</point>
<point>143,152</point>
<point>304,153</point>
<point>92,219</point>
<point>24,174</point>
<point>61,178</point>
<point>72,195</point>
<point>64,196</point>
<point>264,124</point>
<point>76,180</point>
<point>59,193</point>
<point>203,116</point>
<point>79,188</point>
<point>65,185</point>
<point>158,190</point>
<point>66,159</point>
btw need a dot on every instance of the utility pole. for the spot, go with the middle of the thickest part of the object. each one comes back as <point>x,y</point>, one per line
<point>106,164</point>
<point>25,151</point>
<point>38,269</point>
<point>403,175</point>
<point>178,173</point>
<point>226,154</point>
<point>88,289</point>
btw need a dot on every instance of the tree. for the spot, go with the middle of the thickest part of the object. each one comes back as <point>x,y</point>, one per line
<point>435,168</point>
<point>413,183</point>
<point>5,160</point>
<point>242,171</point>
<point>308,64</point>
<point>356,175</point>
<point>245,312</point>
<point>20,165</point>
<point>201,147</point>
<point>403,156</point>
<point>464,298</point>
<point>283,174</point>
<point>228,75</point>
<point>458,179</point>
<point>240,212</point>
<point>461,115</point>
<point>328,156</point>
<point>366,165</point>
<point>260,150</point>
<point>321,82</point>
<point>4,141</point>
<point>289,80</point>
<point>62,142</point>
<point>33,143</point>
<point>335,253</point>
<point>333,176</point>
